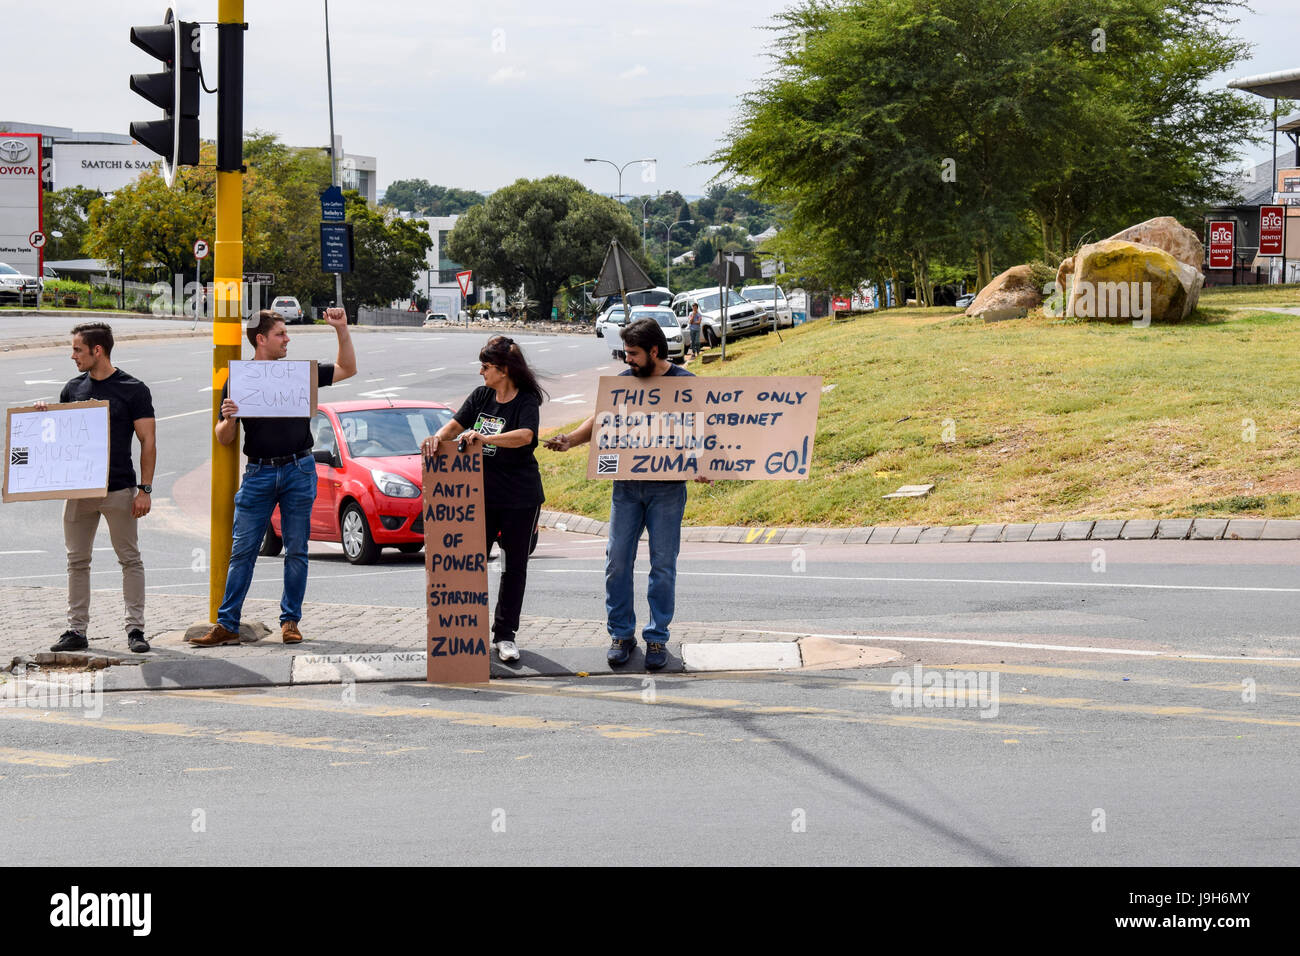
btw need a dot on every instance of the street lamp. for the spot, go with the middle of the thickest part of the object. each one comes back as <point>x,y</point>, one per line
<point>620,168</point>
<point>668,251</point>
<point>644,221</point>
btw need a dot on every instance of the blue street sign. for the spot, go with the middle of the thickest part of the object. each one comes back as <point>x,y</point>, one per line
<point>336,246</point>
<point>331,204</point>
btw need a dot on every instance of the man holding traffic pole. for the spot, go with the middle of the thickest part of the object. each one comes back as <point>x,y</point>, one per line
<point>281,471</point>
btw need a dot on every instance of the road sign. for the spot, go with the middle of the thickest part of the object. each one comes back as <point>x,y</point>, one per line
<point>201,248</point>
<point>261,278</point>
<point>336,246</point>
<point>37,239</point>
<point>331,204</point>
<point>1270,230</point>
<point>1223,234</point>
<point>463,279</point>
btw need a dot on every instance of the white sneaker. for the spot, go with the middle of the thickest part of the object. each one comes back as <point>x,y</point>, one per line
<point>507,651</point>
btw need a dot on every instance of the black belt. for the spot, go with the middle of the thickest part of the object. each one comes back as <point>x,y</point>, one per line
<point>277,462</point>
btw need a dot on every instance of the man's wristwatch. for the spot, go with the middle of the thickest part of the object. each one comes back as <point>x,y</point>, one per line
<point>147,489</point>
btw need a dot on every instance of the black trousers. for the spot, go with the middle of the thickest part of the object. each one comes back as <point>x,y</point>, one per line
<point>515,526</point>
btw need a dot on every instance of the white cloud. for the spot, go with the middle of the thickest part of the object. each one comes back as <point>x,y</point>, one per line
<point>638,70</point>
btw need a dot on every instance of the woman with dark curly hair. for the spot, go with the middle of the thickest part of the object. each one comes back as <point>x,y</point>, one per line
<point>503,416</point>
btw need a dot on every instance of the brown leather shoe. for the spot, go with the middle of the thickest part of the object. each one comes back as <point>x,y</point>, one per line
<point>289,632</point>
<point>215,637</point>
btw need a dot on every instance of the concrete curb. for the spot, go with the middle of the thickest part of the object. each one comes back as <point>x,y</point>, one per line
<point>1165,529</point>
<point>305,669</point>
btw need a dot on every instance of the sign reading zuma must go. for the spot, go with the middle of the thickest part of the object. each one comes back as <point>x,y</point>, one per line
<point>665,429</point>
<point>455,562</point>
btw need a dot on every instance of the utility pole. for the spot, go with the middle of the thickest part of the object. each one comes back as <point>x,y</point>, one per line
<point>227,283</point>
<point>334,164</point>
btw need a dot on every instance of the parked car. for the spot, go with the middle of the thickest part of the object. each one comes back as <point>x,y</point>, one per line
<point>368,476</point>
<point>15,284</point>
<point>436,318</point>
<point>611,320</point>
<point>772,299</point>
<point>743,316</point>
<point>963,302</point>
<point>287,306</point>
<point>672,327</point>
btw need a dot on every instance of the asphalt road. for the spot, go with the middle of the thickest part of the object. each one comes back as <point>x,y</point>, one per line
<point>1151,762</point>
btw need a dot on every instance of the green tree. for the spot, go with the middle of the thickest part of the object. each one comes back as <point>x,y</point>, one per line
<point>425,199</point>
<point>67,211</point>
<point>901,132</point>
<point>388,253</point>
<point>542,234</point>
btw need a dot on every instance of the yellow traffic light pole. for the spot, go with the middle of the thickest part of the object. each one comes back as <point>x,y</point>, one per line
<point>228,278</point>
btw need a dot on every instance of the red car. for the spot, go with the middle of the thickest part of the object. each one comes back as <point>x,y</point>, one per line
<point>368,473</point>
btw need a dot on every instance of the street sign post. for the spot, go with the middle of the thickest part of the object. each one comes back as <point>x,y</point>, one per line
<point>336,247</point>
<point>331,204</point>
<point>201,248</point>
<point>1223,234</point>
<point>464,280</point>
<point>1272,233</point>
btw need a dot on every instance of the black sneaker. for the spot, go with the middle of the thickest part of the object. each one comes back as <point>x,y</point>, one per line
<point>135,640</point>
<point>620,650</point>
<point>656,655</point>
<point>71,641</point>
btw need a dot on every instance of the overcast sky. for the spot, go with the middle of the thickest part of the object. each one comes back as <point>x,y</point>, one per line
<point>471,94</point>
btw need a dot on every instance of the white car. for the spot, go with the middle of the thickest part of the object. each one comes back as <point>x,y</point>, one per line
<point>666,318</point>
<point>772,298</point>
<point>15,284</point>
<point>287,306</point>
<point>610,321</point>
<point>743,316</point>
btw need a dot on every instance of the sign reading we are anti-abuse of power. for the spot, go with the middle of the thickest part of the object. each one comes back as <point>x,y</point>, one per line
<point>667,429</point>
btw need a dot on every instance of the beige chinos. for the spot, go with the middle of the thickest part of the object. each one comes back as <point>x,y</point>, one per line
<point>80,522</point>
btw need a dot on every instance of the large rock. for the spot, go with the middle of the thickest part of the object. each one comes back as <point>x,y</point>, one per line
<point>1164,232</point>
<point>1114,279</point>
<point>1013,289</point>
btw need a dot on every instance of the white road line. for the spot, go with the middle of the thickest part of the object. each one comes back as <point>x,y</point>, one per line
<point>167,418</point>
<point>407,374</point>
<point>572,375</point>
<point>64,574</point>
<point>440,368</point>
<point>1119,585</point>
<point>167,381</point>
<point>539,351</point>
<point>572,399</point>
<point>165,474</point>
<point>42,381</point>
<point>208,389</point>
<point>35,371</point>
<point>371,381</point>
<point>23,552</point>
<point>1077,648</point>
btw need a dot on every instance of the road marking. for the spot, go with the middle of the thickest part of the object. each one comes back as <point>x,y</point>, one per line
<point>205,769</point>
<point>390,392</point>
<point>575,346</point>
<point>573,375</point>
<point>1116,677</point>
<point>407,374</point>
<point>41,758</point>
<point>42,381</point>
<point>207,388</point>
<point>260,738</point>
<point>371,381</point>
<point>64,574</point>
<point>23,552</point>
<point>199,411</point>
<point>978,581</point>
<point>167,381</point>
<point>573,399</point>
<point>539,351</point>
<point>440,368</point>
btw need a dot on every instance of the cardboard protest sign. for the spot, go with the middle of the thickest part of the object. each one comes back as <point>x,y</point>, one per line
<point>277,389</point>
<point>61,452</point>
<point>455,562</point>
<point>668,429</point>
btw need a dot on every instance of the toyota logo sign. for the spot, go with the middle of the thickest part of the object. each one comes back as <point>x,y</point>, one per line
<point>14,150</point>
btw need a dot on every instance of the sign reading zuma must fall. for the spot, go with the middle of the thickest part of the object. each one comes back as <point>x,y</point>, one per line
<point>61,452</point>
<point>665,429</point>
<point>455,562</point>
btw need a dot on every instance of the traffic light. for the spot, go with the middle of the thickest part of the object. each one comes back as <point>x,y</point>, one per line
<point>175,91</point>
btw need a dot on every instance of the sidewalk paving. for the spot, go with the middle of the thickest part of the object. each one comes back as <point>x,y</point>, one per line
<point>339,647</point>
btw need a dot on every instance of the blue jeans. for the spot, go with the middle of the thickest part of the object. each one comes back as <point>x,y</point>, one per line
<point>656,506</point>
<point>695,339</point>
<point>293,488</point>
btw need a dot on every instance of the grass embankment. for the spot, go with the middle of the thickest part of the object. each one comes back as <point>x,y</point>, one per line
<point>1050,420</point>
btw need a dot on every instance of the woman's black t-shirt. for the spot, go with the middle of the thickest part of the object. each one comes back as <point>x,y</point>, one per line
<point>511,478</point>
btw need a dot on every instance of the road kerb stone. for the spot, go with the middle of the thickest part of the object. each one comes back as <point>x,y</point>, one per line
<point>1047,531</point>
<point>1076,530</point>
<point>1209,529</point>
<point>883,535</point>
<point>1245,529</point>
<point>1174,529</point>
<point>1106,530</point>
<point>987,533</point>
<point>1280,530</point>
<point>741,656</point>
<point>959,534</point>
<point>908,534</point>
<point>859,535</point>
<point>933,535</point>
<point>1017,532</point>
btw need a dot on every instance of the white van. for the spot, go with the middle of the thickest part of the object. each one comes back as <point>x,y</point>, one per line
<point>743,316</point>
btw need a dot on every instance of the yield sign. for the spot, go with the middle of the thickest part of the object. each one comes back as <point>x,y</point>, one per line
<point>462,278</point>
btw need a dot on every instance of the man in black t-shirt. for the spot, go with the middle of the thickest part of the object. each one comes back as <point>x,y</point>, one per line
<point>280,471</point>
<point>130,413</point>
<point>635,506</point>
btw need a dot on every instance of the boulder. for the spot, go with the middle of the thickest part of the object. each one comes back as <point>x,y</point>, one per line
<point>1165,232</point>
<point>1013,289</point>
<point>1125,281</point>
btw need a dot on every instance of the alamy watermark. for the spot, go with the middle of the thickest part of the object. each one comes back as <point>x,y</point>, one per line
<point>181,297</point>
<point>1100,300</point>
<point>41,690</point>
<point>944,688</point>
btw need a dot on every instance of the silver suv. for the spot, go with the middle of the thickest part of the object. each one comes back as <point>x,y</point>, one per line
<point>743,316</point>
<point>288,308</point>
